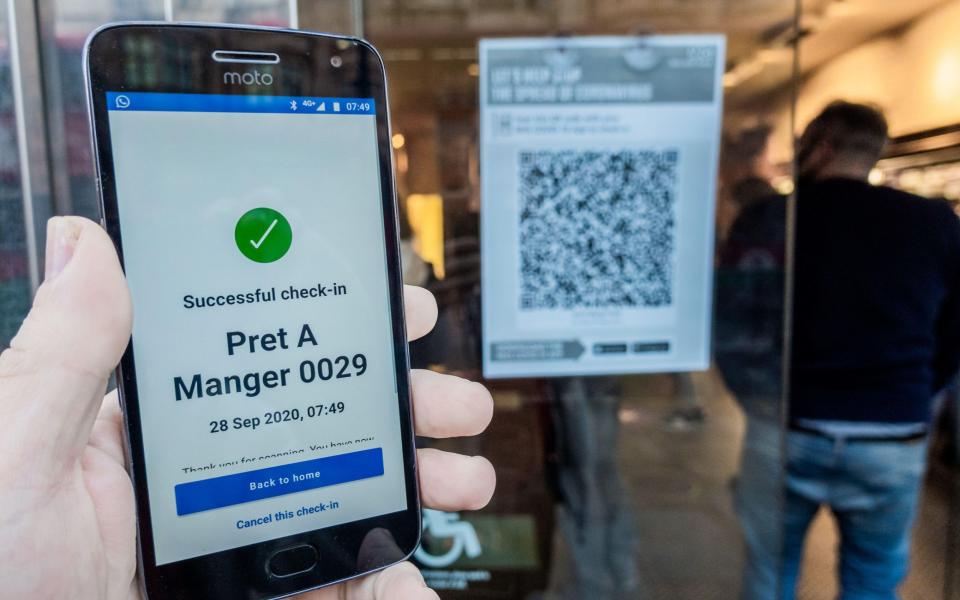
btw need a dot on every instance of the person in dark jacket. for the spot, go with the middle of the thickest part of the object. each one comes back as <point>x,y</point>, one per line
<point>875,336</point>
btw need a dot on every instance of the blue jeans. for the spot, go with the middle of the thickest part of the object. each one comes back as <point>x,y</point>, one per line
<point>872,489</point>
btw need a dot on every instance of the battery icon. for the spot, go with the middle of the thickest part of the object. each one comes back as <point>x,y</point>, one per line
<point>336,107</point>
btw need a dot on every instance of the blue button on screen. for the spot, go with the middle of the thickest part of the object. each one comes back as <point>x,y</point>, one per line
<point>218,492</point>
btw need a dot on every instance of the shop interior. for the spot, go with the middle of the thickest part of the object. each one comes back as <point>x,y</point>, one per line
<point>679,437</point>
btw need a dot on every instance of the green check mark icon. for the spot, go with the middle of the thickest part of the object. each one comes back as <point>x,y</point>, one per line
<point>263,235</point>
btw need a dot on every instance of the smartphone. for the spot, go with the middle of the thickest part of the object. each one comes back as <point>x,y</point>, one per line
<point>246,179</point>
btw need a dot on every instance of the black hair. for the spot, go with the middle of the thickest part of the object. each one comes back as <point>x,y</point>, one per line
<point>848,128</point>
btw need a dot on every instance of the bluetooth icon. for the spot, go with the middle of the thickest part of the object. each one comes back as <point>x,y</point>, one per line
<point>293,105</point>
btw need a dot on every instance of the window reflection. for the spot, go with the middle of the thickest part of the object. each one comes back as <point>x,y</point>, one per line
<point>14,276</point>
<point>71,22</point>
<point>700,457</point>
<point>626,481</point>
<point>272,13</point>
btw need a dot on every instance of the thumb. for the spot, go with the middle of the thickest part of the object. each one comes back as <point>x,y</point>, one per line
<point>53,376</point>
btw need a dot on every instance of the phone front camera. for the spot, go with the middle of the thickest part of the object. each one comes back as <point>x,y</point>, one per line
<point>336,61</point>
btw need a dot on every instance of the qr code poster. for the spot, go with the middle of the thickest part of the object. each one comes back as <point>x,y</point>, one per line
<point>598,204</point>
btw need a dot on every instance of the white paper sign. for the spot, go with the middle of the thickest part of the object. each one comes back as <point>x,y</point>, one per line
<point>598,175</point>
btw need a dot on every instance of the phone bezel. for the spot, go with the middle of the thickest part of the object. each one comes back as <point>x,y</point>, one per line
<point>241,572</point>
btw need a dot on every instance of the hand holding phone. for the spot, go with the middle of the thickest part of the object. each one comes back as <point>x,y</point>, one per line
<point>68,525</point>
<point>246,179</point>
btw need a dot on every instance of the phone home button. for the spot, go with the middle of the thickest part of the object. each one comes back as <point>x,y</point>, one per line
<point>292,561</point>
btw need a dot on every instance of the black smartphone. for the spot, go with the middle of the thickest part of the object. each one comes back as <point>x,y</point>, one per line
<point>246,178</point>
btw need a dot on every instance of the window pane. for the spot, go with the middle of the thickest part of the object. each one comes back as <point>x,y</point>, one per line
<point>14,276</point>
<point>72,21</point>
<point>67,24</point>
<point>275,13</point>
<point>617,486</point>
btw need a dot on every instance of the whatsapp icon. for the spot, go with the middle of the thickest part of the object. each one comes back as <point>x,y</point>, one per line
<point>263,235</point>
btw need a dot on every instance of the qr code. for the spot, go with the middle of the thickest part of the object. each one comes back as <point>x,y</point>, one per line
<point>597,228</point>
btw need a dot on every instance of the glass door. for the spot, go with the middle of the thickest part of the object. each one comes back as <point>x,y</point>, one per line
<point>621,484</point>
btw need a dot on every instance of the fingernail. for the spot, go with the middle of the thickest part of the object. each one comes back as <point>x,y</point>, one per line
<point>62,236</point>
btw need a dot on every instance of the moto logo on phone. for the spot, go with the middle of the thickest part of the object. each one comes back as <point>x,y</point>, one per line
<point>248,78</point>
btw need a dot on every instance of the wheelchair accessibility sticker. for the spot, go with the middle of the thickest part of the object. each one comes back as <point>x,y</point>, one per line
<point>446,530</point>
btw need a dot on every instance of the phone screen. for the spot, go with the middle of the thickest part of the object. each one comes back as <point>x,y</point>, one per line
<point>254,247</point>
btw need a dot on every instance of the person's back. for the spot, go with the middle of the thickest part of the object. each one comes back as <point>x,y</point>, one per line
<point>874,333</point>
